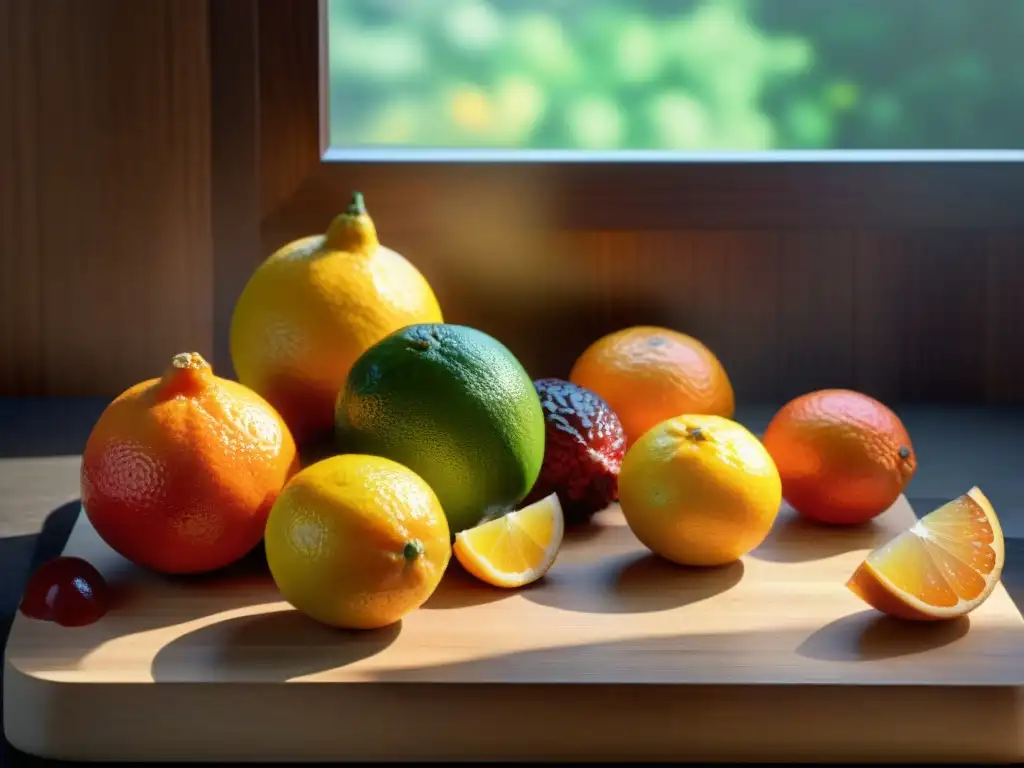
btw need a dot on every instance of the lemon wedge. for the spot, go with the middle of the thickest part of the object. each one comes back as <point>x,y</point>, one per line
<point>514,550</point>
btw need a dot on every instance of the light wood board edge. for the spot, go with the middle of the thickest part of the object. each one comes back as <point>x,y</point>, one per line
<point>478,722</point>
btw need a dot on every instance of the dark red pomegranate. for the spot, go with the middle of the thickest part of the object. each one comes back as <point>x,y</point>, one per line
<point>68,591</point>
<point>584,446</point>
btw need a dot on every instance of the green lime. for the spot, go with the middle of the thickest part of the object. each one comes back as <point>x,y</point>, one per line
<point>455,406</point>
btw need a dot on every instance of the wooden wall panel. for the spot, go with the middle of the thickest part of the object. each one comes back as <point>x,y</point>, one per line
<point>1003,273</point>
<point>920,323</point>
<point>817,297</point>
<point>21,314</point>
<point>235,147</point>
<point>105,139</point>
<point>904,316</point>
<point>289,96</point>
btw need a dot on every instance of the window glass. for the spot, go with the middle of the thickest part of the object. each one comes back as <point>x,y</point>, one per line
<point>670,75</point>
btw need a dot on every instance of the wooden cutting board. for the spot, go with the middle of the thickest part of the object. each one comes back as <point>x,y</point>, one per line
<point>614,655</point>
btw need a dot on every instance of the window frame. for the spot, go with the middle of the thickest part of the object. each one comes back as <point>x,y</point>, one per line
<point>811,190</point>
<point>274,178</point>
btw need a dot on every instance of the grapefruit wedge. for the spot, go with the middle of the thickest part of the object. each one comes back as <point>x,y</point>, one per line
<point>516,549</point>
<point>942,567</point>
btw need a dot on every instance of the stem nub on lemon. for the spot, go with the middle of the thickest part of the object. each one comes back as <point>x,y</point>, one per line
<point>699,490</point>
<point>357,542</point>
<point>454,405</point>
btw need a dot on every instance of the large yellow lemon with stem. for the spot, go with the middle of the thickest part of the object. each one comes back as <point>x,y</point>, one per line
<point>312,308</point>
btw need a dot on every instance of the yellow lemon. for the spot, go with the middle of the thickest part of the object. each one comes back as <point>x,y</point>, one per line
<point>515,549</point>
<point>313,307</point>
<point>699,490</point>
<point>357,542</point>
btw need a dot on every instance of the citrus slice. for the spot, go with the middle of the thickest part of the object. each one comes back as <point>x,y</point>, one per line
<point>516,549</point>
<point>942,567</point>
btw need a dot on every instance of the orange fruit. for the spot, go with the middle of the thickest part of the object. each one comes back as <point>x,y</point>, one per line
<point>942,567</point>
<point>179,473</point>
<point>649,374</point>
<point>357,542</point>
<point>515,549</point>
<point>843,456</point>
<point>699,490</point>
<point>313,307</point>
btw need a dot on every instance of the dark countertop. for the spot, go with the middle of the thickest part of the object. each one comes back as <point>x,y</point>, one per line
<point>40,439</point>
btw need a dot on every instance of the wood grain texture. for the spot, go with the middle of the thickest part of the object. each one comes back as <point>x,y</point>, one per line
<point>904,316</point>
<point>741,645</point>
<point>235,174</point>
<point>722,195</point>
<point>105,199</point>
<point>1004,316</point>
<point>21,318</point>
<point>289,76</point>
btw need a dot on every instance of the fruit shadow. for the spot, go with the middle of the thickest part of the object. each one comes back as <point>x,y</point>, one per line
<point>870,636</point>
<point>795,539</point>
<point>879,650</point>
<point>268,647</point>
<point>144,596</point>
<point>632,583</point>
<point>56,530</point>
<point>318,448</point>
<point>460,589</point>
<point>580,533</point>
<point>15,560</point>
<point>141,600</point>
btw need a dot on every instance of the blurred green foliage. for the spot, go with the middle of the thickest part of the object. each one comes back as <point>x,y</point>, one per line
<point>677,74</point>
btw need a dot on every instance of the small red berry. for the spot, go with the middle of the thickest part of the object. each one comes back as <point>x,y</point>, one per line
<point>584,446</point>
<point>68,591</point>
